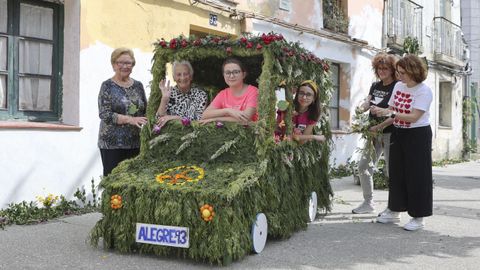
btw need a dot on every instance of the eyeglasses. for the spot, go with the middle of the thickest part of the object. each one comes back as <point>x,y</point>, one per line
<point>229,73</point>
<point>128,64</point>
<point>306,95</point>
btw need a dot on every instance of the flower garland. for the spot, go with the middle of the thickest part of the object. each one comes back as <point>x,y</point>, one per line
<point>180,175</point>
<point>249,42</point>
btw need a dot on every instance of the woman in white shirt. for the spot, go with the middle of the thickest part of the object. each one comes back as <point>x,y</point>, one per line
<point>410,183</point>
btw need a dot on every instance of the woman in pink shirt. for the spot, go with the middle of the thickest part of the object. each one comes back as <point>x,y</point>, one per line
<point>238,102</point>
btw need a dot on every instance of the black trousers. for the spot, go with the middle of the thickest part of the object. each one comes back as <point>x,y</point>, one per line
<point>410,167</point>
<point>111,157</point>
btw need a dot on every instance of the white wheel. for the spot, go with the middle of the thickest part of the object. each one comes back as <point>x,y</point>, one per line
<point>312,206</point>
<point>259,232</point>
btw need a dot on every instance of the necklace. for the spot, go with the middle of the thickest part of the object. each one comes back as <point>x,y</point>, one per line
<point>124,84</point>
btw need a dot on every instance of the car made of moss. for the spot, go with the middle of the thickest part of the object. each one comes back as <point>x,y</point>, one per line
<point>215,192</point>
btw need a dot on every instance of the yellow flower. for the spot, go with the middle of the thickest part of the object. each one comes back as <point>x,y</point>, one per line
<point>207,213</point>
<point>180,175</point>
<point>116,201</point>
<point>48,201</point>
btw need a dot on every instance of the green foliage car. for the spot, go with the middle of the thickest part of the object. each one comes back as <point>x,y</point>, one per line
<point>213,192</point>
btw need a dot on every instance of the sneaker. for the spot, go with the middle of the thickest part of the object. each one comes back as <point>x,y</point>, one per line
<point>384,211</point>
<point>364,208</point>
<point>389,217</point>
<point>414,224</point>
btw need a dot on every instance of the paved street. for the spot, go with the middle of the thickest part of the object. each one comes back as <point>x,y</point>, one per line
<point>339,240</point>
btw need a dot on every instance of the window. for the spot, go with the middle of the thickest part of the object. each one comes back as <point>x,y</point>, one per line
<point>285,5</point>
<point>335,16</point>
<point>334,101</point>
<point>445,105</point>
<point>30,60</point>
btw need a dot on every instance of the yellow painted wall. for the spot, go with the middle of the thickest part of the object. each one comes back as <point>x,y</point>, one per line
<point>139,23</point>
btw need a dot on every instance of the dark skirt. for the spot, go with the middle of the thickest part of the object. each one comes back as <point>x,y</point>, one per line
<point>410,166</point>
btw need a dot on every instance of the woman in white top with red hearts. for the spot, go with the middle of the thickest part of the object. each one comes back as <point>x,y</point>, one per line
<point>410,183</point>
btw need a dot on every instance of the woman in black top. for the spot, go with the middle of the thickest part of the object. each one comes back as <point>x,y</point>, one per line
<point>384,67</point>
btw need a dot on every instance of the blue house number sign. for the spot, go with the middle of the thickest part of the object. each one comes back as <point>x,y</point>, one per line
<point>213,19</point>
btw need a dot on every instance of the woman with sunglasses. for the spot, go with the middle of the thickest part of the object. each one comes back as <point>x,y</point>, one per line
<point>238,102</point>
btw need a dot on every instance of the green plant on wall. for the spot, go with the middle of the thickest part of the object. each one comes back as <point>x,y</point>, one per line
<point>469,109</point>
<point>411,45</point>
<point>334,17</point>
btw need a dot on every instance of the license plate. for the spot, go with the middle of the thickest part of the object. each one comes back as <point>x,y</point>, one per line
<point>162,235</point>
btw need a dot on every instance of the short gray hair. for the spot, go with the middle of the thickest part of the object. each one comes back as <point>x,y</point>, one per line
<point>183,62</point>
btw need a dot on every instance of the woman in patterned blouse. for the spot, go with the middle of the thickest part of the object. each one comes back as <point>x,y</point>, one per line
<point>183,100</point>
<point>122,105</point>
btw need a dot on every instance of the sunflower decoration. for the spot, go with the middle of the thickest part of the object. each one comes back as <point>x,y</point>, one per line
<point>207,212</point>
<point>181,175</point>
<point>116,202</point>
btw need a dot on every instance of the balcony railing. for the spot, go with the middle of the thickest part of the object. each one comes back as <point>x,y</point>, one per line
<point>448,42</point>
<point>404,19</point>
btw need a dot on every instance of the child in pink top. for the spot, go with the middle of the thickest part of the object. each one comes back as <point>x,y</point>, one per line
<point>307,113</point>
<point>238,102</point>
<point>227,99</point>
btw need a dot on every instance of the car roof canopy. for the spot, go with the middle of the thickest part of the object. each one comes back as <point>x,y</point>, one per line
<point>269,59</point>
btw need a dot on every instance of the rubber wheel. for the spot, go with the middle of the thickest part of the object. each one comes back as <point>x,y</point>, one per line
<point>312,206</point>
<point>259,232</point>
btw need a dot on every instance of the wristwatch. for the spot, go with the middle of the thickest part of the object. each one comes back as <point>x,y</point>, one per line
<point>392,115</point>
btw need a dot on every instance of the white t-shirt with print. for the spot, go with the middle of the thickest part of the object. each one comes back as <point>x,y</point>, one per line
<point>405,99</point>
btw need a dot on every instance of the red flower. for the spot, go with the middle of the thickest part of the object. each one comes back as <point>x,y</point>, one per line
<point>243,40</point>
<point>259,47</point>
<point>163,43</point>
<point>325,67</point>
<point>197,42</point>
<point>249,45</point>
<point>173,43</point>
<point>229,50</point>
<point>184,43</point>
<point>291,53</point>
<point>267,39</point>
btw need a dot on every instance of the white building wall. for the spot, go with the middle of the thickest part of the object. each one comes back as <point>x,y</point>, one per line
<point>37,162</point>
